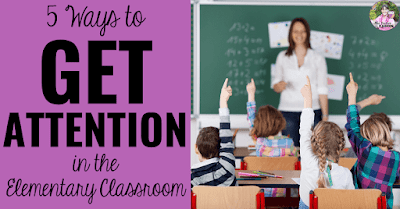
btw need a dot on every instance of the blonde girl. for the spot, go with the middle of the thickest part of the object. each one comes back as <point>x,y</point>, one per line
<point>320,150</point>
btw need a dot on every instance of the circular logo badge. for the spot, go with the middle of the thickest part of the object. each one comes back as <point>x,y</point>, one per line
<point>384,15</point>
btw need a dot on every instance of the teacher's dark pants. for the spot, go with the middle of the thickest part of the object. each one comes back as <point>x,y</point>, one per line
<point>293,124</point>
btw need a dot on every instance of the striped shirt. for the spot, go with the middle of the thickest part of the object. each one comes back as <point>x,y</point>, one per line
<point>374,168</point>
<point>218,171</point>
<point>280,146</point>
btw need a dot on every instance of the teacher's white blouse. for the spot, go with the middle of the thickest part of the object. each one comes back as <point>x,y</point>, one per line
<point>287,69</point>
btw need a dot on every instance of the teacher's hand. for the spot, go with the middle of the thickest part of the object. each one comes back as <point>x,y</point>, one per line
<point>279,87</point>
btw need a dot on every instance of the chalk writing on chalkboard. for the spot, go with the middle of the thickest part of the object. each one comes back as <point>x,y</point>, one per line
<point>246,58</point>
<point>367,64</point>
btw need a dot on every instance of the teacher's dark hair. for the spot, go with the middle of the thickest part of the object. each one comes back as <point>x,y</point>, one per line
<point>289,51</point>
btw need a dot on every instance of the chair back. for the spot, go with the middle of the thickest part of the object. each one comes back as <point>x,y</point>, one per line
<point>270,163</point>
<point>226,197</point>
<point>352,198</point>
<point>347,162</point>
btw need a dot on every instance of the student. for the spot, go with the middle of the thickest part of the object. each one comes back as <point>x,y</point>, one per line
<point>377,164</point>
<point>371,100</point>
<point>215,151</point>
<point>320,150</point>
<point>265,125</point>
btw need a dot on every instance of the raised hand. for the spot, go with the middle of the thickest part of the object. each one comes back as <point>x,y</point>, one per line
<point>371,100</point>
<point>307,95</point>
<point>226,92</point>
<point>352,88</point>
<point>251,90</point>
<point>375,99</point>
<point>279,87</point>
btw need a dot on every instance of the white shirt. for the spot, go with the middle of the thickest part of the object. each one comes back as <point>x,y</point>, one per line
<point>287,70</point>
<point>341,176</point>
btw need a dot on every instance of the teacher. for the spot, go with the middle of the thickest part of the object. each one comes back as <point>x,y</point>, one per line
<point>292,67</point>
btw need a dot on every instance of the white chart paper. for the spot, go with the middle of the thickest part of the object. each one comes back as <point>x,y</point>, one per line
<point>329,45</point>
<point>278,34</point>
<point>335,86</point>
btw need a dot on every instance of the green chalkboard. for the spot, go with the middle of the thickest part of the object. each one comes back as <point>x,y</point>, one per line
<point>234,43</point>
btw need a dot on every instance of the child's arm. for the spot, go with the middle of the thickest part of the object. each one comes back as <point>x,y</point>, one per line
<point>374,99</point>
<point>251,103</point>
<point>353,118</point>
<point>306,120</point>
<point>227,159</point>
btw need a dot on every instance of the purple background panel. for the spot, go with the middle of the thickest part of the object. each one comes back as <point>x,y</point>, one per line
<point>166,78</point>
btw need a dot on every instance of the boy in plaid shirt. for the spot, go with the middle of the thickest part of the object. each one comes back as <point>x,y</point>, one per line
<point>377,165</point>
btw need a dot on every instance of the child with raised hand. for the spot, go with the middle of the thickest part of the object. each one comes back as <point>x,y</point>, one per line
<point>377,165</point>
<point>374,99</point>
<point>264,125</point>
<point>215,150</point>
<point>320,150</point>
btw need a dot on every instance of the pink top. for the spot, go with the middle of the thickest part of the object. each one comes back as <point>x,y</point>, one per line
<point>384,20</point>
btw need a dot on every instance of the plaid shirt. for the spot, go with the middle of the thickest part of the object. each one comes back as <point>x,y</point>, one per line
<point>374,168</point>
<point>280,146</point>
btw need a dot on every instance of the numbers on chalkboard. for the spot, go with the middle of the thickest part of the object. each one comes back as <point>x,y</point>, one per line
<point>376,78</point>
<point>383,56</point>
<point>366,41</point>
<point>236,72</point>
<point>378,66</point>
<point>362,96</point>
<point>248,62</point>
<point>351,65</point>
<point>243,40</point>
<point>247,73</point>
<point>246,51</point>
<point>246,27</point>
<point>351,53</point>
<point>365,87</point>
<point>365,77</point>
<point>354,38</point>
<point>365,65</point>
<point>360,41</point>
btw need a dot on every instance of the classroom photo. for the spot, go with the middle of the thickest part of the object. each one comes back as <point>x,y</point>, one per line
<point>294,104</point>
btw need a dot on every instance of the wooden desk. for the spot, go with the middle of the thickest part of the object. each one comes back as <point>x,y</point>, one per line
<point>285,182</point>
<point>241,152</point>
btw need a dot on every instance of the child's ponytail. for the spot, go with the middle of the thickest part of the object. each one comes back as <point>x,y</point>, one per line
<point>327,141</point>
<point>322,162</point>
